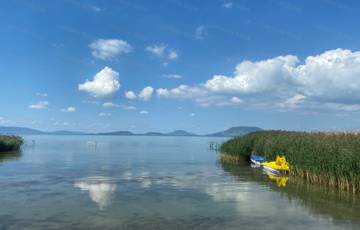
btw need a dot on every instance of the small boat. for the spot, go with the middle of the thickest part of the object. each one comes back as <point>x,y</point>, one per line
<point>279,166</point>
<point>256,159</point>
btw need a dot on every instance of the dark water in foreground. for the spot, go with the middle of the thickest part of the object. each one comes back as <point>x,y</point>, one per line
<point>99,182</point>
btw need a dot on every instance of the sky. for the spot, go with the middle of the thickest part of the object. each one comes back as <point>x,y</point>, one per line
<point>200,66</point>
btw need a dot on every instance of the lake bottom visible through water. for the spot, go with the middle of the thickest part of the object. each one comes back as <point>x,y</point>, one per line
<point>113,182</point>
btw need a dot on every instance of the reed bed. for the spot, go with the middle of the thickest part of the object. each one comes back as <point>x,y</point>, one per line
<point>10,143</point>
<point>326,158</point>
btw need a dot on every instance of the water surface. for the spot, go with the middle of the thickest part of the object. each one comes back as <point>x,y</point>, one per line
<point>106,182</point>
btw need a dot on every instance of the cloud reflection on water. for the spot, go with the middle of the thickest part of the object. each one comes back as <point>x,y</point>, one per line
<point>100,189</point>
<point>204,182</point>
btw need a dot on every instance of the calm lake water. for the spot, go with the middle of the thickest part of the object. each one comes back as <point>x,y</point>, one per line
<point>105,182</point>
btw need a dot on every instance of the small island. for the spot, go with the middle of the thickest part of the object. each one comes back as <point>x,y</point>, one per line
<point>10,143</point>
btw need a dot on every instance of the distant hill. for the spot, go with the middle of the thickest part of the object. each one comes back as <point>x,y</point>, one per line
<point>180,133</point>
<point>65,132</point>
<point>18,130</point>
<point>117,133</point>
<point>235,131</point>
<point>151,134</point>
<point>27,131</point>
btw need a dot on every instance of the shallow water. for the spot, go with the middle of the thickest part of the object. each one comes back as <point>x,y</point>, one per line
<point>106,182</point>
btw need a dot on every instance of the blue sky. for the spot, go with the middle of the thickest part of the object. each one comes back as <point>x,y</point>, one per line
<point>201,66</point>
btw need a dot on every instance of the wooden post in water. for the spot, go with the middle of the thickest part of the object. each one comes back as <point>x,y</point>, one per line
<point>213,145</point>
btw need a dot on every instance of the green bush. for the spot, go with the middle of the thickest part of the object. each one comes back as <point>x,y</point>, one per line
<point>10,143</point>
<point>323,157</point>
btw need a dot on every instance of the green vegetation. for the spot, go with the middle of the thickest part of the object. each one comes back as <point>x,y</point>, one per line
<point>10,143</point>
<point>331,159</point>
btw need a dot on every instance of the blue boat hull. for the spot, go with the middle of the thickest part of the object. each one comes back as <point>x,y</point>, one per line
<point>257,160</point>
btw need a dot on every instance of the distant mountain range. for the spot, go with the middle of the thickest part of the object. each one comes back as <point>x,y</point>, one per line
<point>22,130</point>
<point>234,131</point>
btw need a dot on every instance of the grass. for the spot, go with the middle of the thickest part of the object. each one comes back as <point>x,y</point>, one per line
<point>10,143</point>
<point>331,159</point>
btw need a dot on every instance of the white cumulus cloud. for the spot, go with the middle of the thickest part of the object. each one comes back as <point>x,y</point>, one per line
<point>103,114</point>
<point>109,48</point>
<point>144,112</point>
<point>157,50</point>
<point>69,109</point>
<point>172,54</point>
<point>39,105</point>
<point>182,91</point>
<point>333,75</point>
<point>172,76</point>
<point>41,94</point>
<point>162,51</point>
<point>254,77</point>
<point>217,100</point>
<point>110,105</point>
<point>128,107</point>
<point>329,80</point>
<point>104,84</point>
<point>146,93</point>
<point>236,100</point>
<point>293,101</point>
<point>113,105</point>
<point>130,95</point>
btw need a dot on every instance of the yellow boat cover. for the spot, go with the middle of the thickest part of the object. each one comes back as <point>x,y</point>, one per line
<point>279,164</point>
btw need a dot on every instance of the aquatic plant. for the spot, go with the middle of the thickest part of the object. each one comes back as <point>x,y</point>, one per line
<point>10,143</point>
<point>327,158</point>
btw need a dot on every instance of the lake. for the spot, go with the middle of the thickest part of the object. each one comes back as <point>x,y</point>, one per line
<point>120,182</point>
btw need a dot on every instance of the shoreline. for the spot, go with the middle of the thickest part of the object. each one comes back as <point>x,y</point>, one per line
<point>326,159</point>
